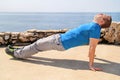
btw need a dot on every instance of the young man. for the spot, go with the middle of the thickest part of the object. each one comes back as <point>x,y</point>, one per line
<point>82,35</point>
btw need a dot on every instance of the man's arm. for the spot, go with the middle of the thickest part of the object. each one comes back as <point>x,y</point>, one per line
<point>93,44</point>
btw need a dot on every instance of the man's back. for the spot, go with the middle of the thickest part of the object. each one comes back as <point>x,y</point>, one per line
<point>80,35</point>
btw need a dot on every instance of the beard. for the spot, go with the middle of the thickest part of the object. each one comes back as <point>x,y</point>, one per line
<point>106,25</point>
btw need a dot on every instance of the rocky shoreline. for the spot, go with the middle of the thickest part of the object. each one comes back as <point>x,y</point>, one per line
<point>108,36</point>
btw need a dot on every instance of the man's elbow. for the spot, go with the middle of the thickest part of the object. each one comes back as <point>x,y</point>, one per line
<point>93,47</point>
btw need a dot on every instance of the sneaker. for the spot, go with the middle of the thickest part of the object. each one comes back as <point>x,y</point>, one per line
<point>10,50</point>
<point>10,46</point>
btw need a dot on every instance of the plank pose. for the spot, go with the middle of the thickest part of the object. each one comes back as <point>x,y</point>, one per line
<point>84,34</point>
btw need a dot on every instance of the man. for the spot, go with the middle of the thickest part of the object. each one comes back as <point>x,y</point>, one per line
<point>82,35</point>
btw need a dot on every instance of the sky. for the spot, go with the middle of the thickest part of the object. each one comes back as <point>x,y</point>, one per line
<point>59,6</point>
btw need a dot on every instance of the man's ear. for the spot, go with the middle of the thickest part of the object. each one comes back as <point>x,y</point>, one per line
<point>102,22</point>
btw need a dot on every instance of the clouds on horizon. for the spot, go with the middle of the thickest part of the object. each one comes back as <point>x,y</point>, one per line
<point>59,6</point>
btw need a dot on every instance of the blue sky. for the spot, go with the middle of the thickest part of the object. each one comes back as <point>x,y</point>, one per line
<point>59,6</point>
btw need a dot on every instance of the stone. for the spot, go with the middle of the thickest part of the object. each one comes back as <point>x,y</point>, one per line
<point>63,30</point>
<point>14,41</point>
<point>41,35</point>
<point>7,35</point>
<point>32,39</point>
<point>2,34</point>
<point>117,34</point>
<point>112,34</point>
<point>25,37</point>
<point>49,33</point>
<point>2,40</point>
<point>14,35</point>
<point>102,32</point>
<point>31,31</point>
<point>109,35</point>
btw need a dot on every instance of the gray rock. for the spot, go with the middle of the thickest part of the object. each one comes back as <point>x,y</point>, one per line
<point>112,34</point>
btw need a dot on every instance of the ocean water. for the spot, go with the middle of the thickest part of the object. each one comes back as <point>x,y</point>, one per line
<point>18,22</point>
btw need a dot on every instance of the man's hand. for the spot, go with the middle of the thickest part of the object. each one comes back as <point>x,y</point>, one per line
<point>95,69</point>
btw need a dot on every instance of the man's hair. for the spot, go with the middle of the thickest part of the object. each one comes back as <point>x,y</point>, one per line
<point>106,18</point>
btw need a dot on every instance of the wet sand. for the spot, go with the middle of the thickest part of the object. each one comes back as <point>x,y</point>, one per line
<point>68,65</point>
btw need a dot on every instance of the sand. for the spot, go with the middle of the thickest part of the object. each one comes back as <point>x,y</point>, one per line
<point>68,65</point>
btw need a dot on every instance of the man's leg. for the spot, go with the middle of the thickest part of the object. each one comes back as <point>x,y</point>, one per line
<point>49,43</point>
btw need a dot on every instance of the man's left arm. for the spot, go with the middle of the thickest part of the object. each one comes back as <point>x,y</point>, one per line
<point>93,44</point>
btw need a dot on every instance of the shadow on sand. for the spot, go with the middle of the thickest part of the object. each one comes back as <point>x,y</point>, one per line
<point>108,67</point>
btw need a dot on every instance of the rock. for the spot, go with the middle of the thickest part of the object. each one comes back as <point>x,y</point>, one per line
<point>117,34</point>
<point>2,40</point>
<point>14,35</point>
<point>40,35</point>
<point>49,34</point>
<point>32,39</point>
<point>63,30</point>
<point>2,34</point>
<point>112,34</point>
<point>109,35</point>
<point>32,31</point>
<point>7,35</point>
<point>25,37</point>
<point>102,32</point>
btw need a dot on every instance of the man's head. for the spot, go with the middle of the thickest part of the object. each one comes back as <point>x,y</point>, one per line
<point>103,20</point>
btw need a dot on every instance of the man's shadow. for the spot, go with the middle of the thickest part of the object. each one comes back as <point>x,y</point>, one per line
<point>108,67</point>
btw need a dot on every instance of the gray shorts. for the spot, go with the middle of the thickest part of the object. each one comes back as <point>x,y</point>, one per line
<point>49,43</point>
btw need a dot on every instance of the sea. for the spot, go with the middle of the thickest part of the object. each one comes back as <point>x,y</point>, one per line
<point>22,21</point>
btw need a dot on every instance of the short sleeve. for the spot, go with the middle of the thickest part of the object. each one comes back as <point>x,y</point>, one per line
<point>95,32</point>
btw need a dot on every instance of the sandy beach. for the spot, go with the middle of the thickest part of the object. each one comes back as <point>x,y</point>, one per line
<point>68,65</point>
